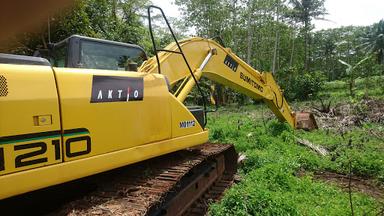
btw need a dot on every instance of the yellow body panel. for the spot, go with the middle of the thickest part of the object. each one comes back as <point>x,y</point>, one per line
<point>183,122</point>
<point>31,92</point>
<point>92,135</point>
<point>116,125</point>
<point>31,107</point>
<point>16,183</point>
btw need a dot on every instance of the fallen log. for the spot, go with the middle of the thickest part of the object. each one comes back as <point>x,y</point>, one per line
<point>318,149</point>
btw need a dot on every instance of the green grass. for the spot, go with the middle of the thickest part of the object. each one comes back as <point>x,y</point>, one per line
<point>365,150</point>
<point>270,185</point>
<point>339,91</point>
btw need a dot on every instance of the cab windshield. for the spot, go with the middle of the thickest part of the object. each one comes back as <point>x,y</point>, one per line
<point>97,55</point>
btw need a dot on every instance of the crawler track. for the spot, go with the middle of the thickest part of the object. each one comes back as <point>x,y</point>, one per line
<point>180,183</point>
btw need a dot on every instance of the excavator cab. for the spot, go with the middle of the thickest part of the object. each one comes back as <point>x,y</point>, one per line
<point>85,52</point>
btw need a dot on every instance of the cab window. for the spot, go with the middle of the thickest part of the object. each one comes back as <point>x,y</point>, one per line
<point>59,57</point>
<point>97,55</point>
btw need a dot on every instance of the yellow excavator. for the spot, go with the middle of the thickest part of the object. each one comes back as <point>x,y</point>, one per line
<point>94,105</point>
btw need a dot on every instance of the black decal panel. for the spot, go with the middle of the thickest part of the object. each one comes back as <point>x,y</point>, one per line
<point>117,89</point>
<point>231,63</point>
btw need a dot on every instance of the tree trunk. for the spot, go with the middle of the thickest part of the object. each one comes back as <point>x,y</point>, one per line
<point>306,52</point>
<point>277,35</point>
<point>352,85</point>
<point>233,26</point>
<point>258,53</point>
<point>292,49</point>
<point>114,10</point>
<point>250,32</point>
<point>220,95</point>
<point>306,38</point>
<point>380,56</point>
<point>43,41</point>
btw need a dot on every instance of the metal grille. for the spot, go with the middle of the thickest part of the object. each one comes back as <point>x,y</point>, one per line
<point>3,86</point>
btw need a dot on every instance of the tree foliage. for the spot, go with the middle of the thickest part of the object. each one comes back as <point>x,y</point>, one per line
<point>118,20</point>
<point>279,36</point>
<point>304,11</point>
<point>276,36</point>
<point>373,42</point>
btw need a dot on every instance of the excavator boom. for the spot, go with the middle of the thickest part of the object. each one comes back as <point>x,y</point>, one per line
<point>209,59</point>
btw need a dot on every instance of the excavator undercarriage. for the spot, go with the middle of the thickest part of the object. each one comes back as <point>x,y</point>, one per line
<point>179,183</point>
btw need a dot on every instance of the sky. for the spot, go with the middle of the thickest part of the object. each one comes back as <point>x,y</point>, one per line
<point>169,8</point>
<point>352,12</point>
<point>340,12</point>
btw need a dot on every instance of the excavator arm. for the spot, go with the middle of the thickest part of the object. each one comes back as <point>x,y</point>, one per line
<point>209,59</point>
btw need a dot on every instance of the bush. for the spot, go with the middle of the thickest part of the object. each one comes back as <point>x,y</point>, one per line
<point>301,86</point>
<point>276,128</point>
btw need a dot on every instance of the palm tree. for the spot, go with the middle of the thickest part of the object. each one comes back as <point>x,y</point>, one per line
<point>373,42</point>
<point>305,11</point>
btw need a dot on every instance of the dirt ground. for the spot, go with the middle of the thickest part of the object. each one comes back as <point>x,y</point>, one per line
<point>344,115</point>
<point>359,184</point>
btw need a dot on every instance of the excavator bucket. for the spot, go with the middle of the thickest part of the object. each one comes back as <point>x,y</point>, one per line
<point>305,121</point>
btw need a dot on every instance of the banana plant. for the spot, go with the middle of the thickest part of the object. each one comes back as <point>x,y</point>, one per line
<point>350,73</point>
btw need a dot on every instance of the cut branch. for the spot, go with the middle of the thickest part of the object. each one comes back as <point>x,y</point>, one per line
<point>318,149</point>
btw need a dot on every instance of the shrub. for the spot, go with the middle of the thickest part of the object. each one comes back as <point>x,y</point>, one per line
<point>303,85</point>
<point>276,128</point>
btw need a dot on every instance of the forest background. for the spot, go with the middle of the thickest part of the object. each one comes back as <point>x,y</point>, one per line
<point>276,36</point>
